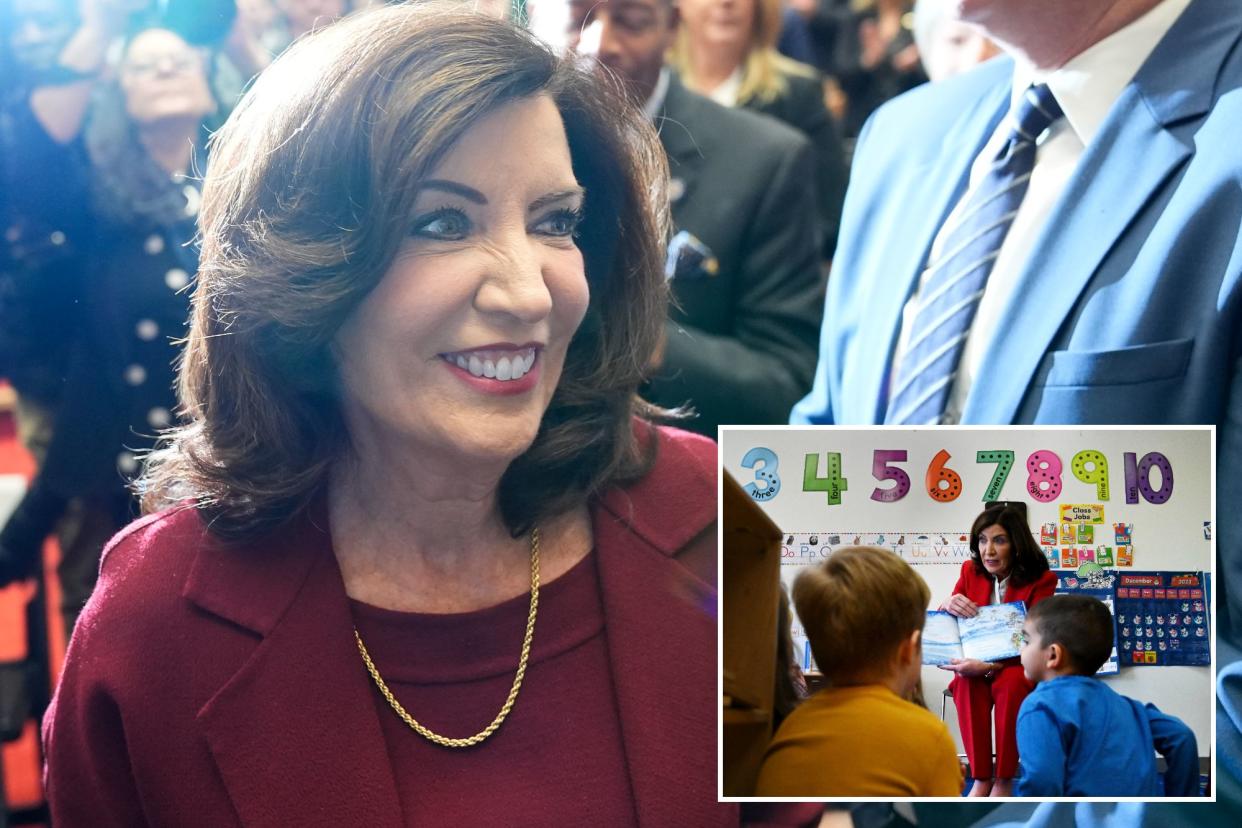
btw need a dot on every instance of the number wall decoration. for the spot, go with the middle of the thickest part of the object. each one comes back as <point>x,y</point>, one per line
<point>1044,483</point>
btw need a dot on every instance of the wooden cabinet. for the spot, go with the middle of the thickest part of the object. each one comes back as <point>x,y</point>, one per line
<point>750,584</point>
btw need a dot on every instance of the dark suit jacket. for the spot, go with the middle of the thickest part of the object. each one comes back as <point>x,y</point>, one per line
<point>210,684</point>
<point>742,342</point>
<point>802,107</point>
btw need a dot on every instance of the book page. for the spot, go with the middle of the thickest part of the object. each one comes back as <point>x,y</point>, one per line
<point>941,642</point>
<point>995,633</point>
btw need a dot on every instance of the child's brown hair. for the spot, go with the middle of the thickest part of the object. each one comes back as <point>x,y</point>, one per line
<point>857,607</point>
<point>1081,624</point>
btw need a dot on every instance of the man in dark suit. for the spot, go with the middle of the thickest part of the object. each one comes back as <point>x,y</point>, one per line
<point>744,263</point>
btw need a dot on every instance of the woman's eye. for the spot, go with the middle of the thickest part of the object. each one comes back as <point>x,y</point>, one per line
<point>445,224</point>
<point>560,223</point>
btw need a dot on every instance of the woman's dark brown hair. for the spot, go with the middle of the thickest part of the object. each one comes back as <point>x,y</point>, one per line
<point>1028,562</point>
<point>309,195</point>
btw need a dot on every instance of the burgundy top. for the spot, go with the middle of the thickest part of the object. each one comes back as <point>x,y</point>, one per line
<point>215,683</point>
<point>452,672</point>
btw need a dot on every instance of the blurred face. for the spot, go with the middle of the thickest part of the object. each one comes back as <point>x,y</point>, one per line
<point>1034,655</point>
<point>956,48</point>
<point>995,551</point>
<point>719,22</point>
<point>163,77</point>
<point>629,37</point>
<point>40,30</point>
<point>458,350</point>
<point>302,15</point>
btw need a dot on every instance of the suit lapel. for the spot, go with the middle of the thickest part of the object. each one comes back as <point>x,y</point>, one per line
<point>294,732</point>
<point>685,157</point>
<point>1137,152</point>
<point>918,203</point>
<point>1089,219</point>
<point>666,696</point>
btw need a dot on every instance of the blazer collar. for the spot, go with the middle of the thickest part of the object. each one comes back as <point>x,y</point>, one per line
<point>666,695</point>
<point>681,110</point>
<point>1179,80</point>
<point>294,732</point>
<point>296,736</point>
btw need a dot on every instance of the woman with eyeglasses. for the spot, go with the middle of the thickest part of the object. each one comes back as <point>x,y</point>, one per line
<point>111,284</point>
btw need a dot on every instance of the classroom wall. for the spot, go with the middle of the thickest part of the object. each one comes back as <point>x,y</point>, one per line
<point>1166,536</point>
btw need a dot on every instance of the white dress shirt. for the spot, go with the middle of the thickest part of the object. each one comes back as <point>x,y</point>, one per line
<point>1086,88</point>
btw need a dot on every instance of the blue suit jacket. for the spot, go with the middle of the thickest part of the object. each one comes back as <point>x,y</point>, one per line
<point>1129,309</point>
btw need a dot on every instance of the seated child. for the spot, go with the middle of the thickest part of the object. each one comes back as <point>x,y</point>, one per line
<point>1076,735</point>
<point>863,612</point>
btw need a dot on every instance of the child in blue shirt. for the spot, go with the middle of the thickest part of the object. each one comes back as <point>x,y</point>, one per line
<point>1076,735</point>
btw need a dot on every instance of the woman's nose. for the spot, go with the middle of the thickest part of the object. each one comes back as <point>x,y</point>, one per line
<point>515,285</point>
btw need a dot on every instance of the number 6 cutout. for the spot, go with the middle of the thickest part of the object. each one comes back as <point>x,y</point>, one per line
<point>937,474</point>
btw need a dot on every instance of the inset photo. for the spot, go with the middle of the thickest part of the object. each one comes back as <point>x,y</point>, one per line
<point>967,612</point>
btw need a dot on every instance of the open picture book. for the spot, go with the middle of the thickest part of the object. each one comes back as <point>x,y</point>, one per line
<point>995,633</point>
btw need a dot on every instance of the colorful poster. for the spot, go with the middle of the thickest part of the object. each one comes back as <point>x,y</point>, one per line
<point>1069,557</point>
<point>1122,533</point>
<point>1082,512</point>
<point>1053,555</point>
<point>1104,555</point>
<point>1086,533</point>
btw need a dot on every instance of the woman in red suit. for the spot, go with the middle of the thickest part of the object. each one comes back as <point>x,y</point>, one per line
<point>1005,565</point>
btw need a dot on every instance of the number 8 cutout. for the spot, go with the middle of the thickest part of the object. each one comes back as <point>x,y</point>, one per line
<point>1044,468</point>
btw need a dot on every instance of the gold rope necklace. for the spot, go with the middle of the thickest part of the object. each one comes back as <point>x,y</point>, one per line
<point>517,680</point>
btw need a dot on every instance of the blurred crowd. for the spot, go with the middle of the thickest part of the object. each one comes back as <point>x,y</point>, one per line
<point>105,114</point>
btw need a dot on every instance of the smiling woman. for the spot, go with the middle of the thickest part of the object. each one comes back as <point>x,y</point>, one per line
<point>417,555</point>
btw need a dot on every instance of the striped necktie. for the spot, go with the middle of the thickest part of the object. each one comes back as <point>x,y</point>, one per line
<point>954,283</point>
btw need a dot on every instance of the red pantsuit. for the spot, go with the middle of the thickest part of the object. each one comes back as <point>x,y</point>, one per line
<point>975,697</point>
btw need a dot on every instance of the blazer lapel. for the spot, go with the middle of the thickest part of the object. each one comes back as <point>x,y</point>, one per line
<point>919,203</point>
<point>685,157</point>
<point>1137,152</point>
<point>294,732</point>
<point>666,696</point>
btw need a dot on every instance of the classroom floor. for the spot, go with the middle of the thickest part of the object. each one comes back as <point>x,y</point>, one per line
<point>21,759</point>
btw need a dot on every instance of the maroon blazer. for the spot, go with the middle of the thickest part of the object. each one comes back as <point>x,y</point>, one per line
<point>978,588</point>
<point>209,684</point>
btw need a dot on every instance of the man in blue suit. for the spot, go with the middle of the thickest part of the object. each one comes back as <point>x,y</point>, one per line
<point>1114,294</point>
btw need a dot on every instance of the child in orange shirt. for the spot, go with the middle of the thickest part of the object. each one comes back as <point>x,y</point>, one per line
<point>863,612</point>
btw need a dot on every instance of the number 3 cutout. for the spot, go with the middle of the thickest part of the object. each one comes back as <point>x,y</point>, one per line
<point>767,481</point>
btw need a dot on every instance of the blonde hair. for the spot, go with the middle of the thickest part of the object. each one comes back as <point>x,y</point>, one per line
<point>857,607</point>
<point>763,68</point>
